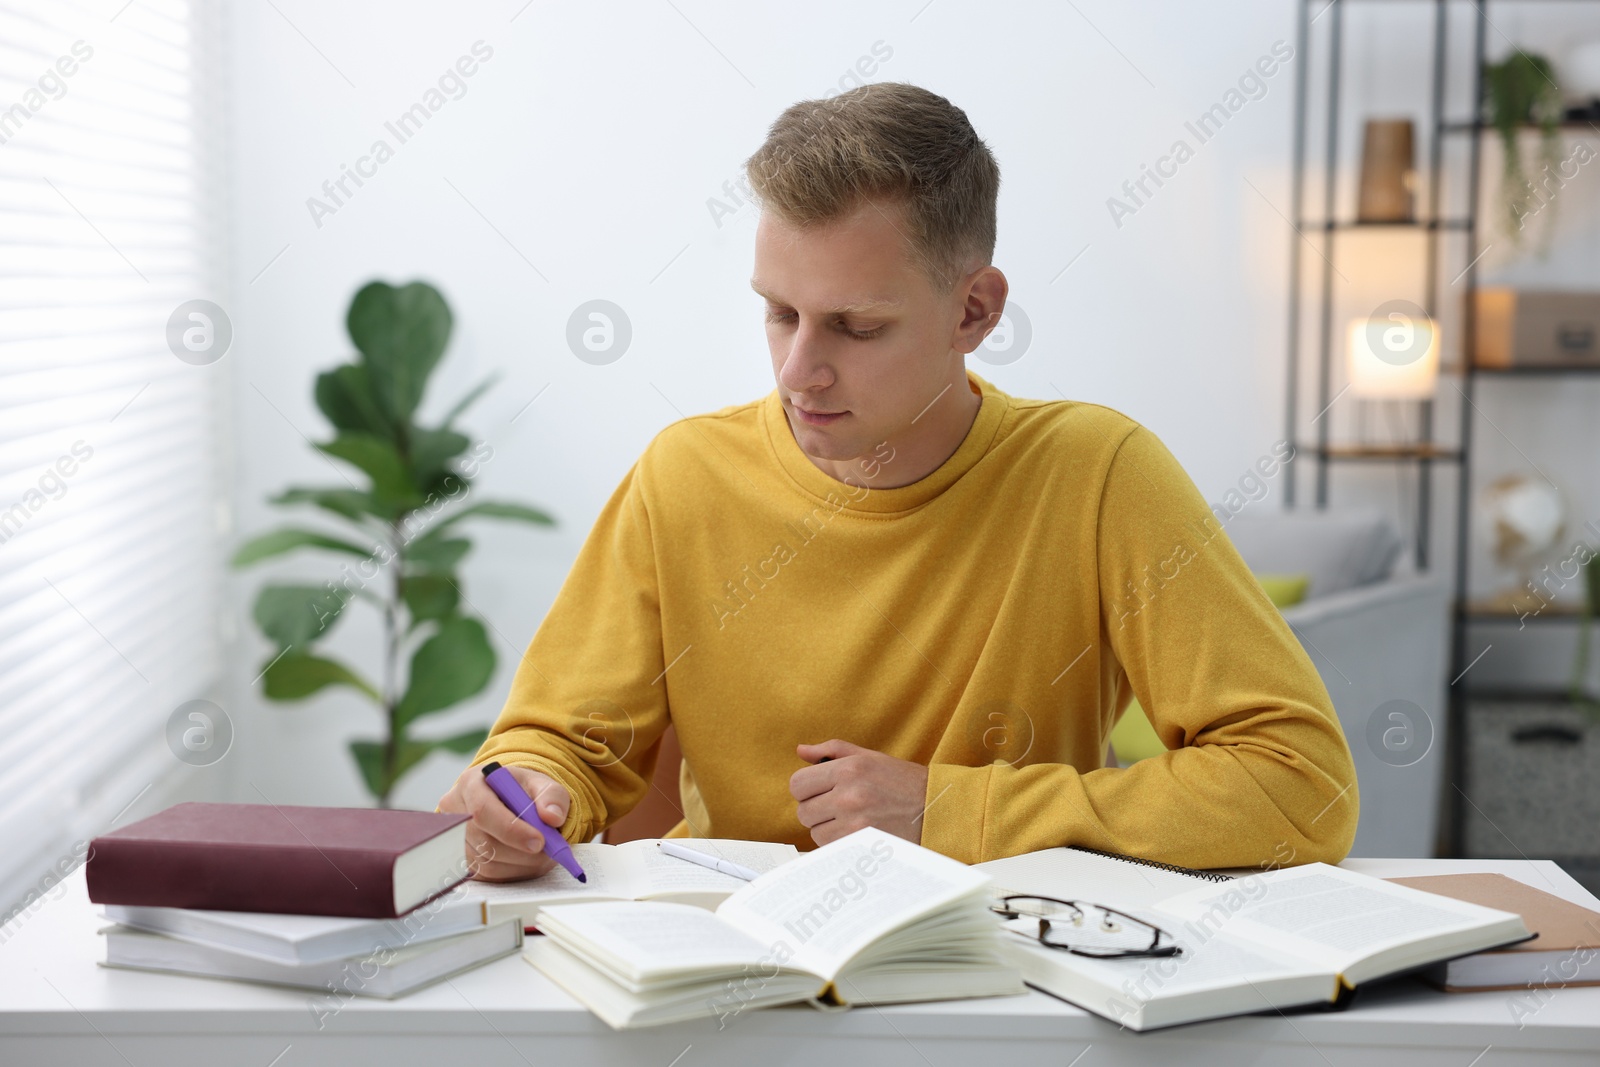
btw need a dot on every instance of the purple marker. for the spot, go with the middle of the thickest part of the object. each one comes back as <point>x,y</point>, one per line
<point>511,794</point>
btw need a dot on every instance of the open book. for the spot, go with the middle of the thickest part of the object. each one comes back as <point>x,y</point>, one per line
<point>1277,939</point>
<point>869,918</point>
<point>633,870</point>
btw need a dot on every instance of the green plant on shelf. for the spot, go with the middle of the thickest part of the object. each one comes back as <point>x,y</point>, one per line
<point>1578,691</point>
<point>404,527</point>
<point>1521,91</point>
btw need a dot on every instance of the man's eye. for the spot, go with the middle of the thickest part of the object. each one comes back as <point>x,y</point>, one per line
<point>779,317</point>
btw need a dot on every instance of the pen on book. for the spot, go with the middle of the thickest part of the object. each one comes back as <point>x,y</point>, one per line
<point>512,795</point>
<point>672,848</point>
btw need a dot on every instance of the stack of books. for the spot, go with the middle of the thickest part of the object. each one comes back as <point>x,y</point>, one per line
<point>346,901</point>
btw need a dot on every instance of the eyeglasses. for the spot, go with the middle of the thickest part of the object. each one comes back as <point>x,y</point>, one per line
<point>1082,928</point>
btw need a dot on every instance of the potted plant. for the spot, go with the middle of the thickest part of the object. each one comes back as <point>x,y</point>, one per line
<point>404,528</point>
<point>1577,690</point>
<point>1518,92</point>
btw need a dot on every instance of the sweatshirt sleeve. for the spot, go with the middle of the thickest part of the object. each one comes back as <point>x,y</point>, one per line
<point>1258,770</point>
<point>587,705</point>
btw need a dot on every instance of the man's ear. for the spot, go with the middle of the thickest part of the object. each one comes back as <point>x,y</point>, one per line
<point>984,299</point>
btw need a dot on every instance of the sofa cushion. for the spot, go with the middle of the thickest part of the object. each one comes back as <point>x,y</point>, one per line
<point>1338,550</point>
<point>1133,738</point>
<point>1285,590</point>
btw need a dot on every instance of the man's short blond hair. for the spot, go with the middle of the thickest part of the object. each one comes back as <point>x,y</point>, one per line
<point>890,143</point>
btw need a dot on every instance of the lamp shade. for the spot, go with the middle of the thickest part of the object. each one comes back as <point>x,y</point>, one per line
<point>1394,358</point>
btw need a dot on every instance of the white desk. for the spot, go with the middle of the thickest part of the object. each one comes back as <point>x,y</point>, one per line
<point>59,1008</point>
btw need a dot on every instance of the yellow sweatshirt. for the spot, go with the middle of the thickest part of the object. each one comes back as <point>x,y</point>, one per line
<point>991,620</point>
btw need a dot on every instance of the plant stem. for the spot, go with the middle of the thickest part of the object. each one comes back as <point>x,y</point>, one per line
<point>391,699</point>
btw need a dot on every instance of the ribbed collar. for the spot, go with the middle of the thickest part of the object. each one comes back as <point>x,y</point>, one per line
<point>814,483</point>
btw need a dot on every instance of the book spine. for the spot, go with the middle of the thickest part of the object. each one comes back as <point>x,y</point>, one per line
<point>177,874</point>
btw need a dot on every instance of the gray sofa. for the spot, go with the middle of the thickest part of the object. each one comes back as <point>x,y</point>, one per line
<point>1378,638</point>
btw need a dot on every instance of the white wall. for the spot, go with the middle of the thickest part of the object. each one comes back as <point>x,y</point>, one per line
<point>579,164</point>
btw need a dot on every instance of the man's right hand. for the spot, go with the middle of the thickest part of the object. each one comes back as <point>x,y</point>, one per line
<point>500,846</point>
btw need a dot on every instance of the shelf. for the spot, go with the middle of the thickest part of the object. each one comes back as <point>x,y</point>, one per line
<point>1536,693</point>
<point>1536,369</point>
<point>1430,452</point>
<point>1421,225</point>
<point>1467,126</point>
<point>1487,611</point>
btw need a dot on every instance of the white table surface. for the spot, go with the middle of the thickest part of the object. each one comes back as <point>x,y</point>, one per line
<point>59,1008</point>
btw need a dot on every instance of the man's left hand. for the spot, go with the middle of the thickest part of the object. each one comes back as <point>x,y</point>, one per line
<point>858,787</point>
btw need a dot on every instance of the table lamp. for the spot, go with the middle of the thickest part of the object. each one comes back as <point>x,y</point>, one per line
<point>1396,358</point>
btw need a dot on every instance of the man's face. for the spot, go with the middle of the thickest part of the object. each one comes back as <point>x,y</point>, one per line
<point>855,329</point>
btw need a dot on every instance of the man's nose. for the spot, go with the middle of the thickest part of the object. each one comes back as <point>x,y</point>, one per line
<point>806,367</point>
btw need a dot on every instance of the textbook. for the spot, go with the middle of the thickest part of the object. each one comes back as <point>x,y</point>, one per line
<point>304,938</point>
<point>867,919</point>
<point>385,973</point>
<point>358,862</point>
<point>1566,953</point>
<point>633,870</point>
<point>1291,937</point>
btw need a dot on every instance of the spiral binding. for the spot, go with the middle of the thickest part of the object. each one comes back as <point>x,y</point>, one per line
<point>1209,876</point>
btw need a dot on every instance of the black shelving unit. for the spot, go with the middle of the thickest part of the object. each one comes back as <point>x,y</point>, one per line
<point>1434,225</point>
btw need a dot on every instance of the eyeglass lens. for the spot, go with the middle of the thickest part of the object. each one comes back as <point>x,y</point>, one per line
<point>1084,925</point>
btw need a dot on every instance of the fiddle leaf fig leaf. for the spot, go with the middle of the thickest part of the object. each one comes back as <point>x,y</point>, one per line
<point>464,743</point>
<point>438,554</point>
<point>495,509</point>
<point>430,596</point>
<point>378,459</point>
<point>451,666</point>
<point>352,504</point>
<point>295,677</point>
<point>344,395</point>
<point>401,334</point>
<point>467,401</point>
<point>432,450</point>
<point>293,616</point>
<point>277,542</point>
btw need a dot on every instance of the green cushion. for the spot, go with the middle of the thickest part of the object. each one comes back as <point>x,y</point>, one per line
<point>1133,738</point>
<point>1285,590</point>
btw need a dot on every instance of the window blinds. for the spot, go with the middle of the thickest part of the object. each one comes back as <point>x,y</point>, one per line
<point>111,538</point>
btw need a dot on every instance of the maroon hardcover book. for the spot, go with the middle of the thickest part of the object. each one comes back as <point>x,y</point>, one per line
<point>362,862</point>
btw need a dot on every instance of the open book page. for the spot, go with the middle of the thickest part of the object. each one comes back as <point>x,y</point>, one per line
<point>639,943</point>
<point>659,873</point>
<point>1212,963</point>
<point>610,878</point>
<point>1071,874</point>
<point>1213,977</point>
<point>826,906</point>
<point>633,870</point>
<point>1333,917</point>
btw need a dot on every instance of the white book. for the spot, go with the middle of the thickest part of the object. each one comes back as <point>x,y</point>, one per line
<point>297,939</point>
<point>1276,939</point>
<point>869,919</point>
<point>633,870</point>
<point>384,973</point>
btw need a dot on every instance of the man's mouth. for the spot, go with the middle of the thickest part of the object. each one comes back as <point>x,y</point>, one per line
<point>818,418</point>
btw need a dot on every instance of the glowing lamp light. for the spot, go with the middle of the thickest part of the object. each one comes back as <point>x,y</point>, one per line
<point>1394,358</point>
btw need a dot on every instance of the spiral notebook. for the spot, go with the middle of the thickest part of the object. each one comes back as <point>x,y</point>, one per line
<point>1089,874</point>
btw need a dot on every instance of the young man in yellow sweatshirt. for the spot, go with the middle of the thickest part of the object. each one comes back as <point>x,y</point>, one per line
<point>889,593</point>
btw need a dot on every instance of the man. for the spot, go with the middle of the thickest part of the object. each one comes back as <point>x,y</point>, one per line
<point>889,593</point>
